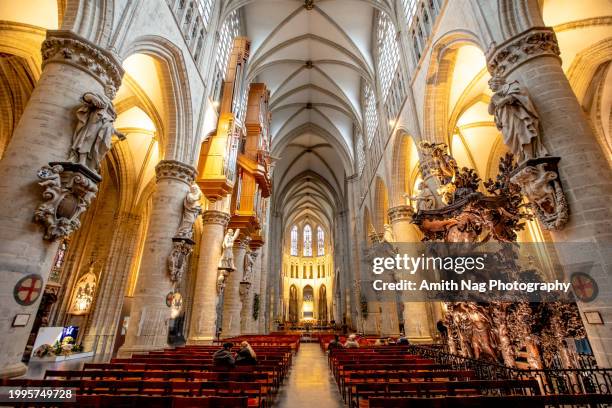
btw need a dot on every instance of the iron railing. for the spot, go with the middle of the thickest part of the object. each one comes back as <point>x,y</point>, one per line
<point>552,381</point>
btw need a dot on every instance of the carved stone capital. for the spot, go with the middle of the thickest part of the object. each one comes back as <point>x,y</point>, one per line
<point>504,58</point>
<point>66,47</point>
<point>172,169</point>
<point>69,189</point>
<point>215,217</point>
<point>400,213</point>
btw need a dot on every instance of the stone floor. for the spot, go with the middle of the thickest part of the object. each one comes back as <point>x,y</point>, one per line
<point>310,383</point>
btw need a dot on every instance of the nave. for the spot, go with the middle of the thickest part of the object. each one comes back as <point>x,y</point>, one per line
<point>290,374</point>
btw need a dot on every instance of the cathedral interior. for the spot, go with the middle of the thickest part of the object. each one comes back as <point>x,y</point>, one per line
<point>180,174</point>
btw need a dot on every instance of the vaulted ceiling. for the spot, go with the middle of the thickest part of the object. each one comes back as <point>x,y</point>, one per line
<point>314,57</point>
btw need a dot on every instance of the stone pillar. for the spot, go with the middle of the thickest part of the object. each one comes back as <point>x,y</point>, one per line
<point>532,59</point>
<point>104,319</point>
<point>249,324</point>
<point>231,302</point>
<point>149,317</point>
<point>417,322</point>
<point>203,310</point>
<point>72,66</point>
<point>261,322</point>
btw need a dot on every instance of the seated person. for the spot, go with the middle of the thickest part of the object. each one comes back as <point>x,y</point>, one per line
<point>351,342</point>
<point>224,358</point>
<point>335,343</point>
<point>402,340</point>
<point>246,355</point>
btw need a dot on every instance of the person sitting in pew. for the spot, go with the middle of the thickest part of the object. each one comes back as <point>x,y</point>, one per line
<point>402,340</point>
<point>246,355</point>
<point>335,343</point>
<point>351,342</point>
<point>224,358</point>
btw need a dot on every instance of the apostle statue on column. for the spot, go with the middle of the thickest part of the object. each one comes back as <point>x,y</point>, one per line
<point>227,258</point>
<point>249,261</point>
<point>94,130</point>
<point>191,210</point>
<point>516,118</point>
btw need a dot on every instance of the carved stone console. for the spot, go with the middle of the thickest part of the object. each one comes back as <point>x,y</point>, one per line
<point>539,181</point>
<point>178,260</point>
<point>69,189</point>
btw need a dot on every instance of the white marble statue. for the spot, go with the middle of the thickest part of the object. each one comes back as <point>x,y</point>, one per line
<point>516,118</point>
<point>191,210</point>
<point>94,130</point>
<point>227,258</point>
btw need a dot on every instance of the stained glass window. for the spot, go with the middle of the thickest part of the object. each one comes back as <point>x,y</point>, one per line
<point>294,240</point>
<point>320,241</point>
<point>307,240</point>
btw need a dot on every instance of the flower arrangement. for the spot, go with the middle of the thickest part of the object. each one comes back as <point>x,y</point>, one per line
<point>63,348</point>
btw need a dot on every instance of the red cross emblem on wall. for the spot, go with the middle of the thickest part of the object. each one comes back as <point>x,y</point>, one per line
<point>585,287</point>
<point>28,289</point>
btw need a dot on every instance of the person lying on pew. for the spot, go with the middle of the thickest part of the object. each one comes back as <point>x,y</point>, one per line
<point>224,358</point>
<point>335,343</point>
<point>351,342</point>
<point>246,355</point>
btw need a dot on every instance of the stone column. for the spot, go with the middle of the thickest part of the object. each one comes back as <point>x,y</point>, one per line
<point>532,59</point>
<point>104,319</point>
<point>203,310</point>
<point>72,66</point>
<point>231,302</point>
<point>417,324</point>
<point>149,317</point>
<point>248,324</point>
<point>261,323</point>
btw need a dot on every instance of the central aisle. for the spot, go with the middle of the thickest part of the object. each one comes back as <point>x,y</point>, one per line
<point>310,383</point>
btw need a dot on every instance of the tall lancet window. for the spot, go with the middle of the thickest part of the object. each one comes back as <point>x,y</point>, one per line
<point>229,31</point>
<point>307,240</point>
<point>388,57</point>
<point>320,241</point>
<point>294,237</point>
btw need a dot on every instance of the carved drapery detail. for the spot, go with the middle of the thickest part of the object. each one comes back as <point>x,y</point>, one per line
<point>215,217</point>
<point>69,48</point>
<point>176,170</point>
<point>69,189</point>
<point>504,58</point>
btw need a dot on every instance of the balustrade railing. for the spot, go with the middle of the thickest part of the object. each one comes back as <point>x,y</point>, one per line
<point>552,381</point>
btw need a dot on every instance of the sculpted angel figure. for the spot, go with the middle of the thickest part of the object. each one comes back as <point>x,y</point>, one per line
<point>516,118</point>
<point>94,131</point>
<point>227,258</point>
<point>191,210</point>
